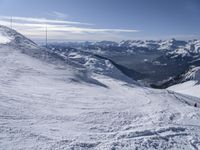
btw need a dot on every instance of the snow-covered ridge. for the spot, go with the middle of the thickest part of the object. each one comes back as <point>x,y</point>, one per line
<point>26,46</point>
<point>193,74</point>
<point>15,38</point>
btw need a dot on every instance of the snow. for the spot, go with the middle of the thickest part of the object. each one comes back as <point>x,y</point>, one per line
<point>58,105</point>
<point>193,74</point>
<point>92,63</point>
<point>4,39</point>
<point>191,87</point>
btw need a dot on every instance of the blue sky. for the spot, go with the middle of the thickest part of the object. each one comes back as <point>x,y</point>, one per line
<point>103,19</point>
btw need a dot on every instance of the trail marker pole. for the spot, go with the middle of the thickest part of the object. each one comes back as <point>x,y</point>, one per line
<point>11,21</point>
<point>46,36</point>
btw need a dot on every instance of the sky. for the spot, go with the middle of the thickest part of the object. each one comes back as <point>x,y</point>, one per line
<point>95,20</point>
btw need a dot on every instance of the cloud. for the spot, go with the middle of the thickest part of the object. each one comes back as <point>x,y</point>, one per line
<point>61,29</point>
<point>42,20</point>
<point>59,15</point>
<point>68,28</point>
<point>90,30</point>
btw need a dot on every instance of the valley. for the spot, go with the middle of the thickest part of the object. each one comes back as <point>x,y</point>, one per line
<point>157,61</point>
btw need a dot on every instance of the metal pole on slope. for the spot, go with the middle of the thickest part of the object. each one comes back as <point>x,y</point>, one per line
<point>11,20</point>
<point>46,36</point>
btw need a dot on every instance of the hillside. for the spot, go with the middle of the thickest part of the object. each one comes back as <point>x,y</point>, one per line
<point>50,101</point>
<point>190,83</point>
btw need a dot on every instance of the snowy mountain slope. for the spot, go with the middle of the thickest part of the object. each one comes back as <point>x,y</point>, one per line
<point>45,106</point>
<point>4,39</point>
<point>190,84</point>
<point>189,88</point>
<point>15,38</point>
<point>192,74</point>
<point>26,46</point>
<point>92,63</point>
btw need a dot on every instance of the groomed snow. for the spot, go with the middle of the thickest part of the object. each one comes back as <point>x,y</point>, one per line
<point>189,88</point>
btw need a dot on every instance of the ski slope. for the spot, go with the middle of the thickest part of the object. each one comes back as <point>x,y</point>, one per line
<point>191,86</point>
<point>57,105</point>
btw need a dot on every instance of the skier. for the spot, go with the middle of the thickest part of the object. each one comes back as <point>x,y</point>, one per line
<point>195,105</point>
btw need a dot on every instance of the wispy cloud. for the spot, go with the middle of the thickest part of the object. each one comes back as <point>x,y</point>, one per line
<point>62,29</point>
<point>59,15</point>
<point>90,30</point>
<point>42,20</point>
